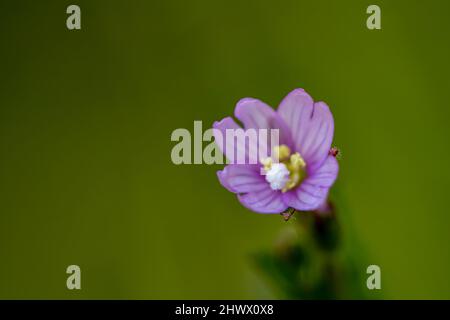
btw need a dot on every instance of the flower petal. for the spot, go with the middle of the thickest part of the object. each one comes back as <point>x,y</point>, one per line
<point>326,174</point>
<point>231,149</point>
<point>306,197</point>
<point>314,189</point>
<point>311,125</point>
<point>255,114</point>
<point>239,178</point>
<point>264,201</point>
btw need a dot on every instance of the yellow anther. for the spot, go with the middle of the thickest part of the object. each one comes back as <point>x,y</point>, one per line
<point>296,167</point>
<point>267,163</point>
<point>281,153</point>
<point>297,161</point>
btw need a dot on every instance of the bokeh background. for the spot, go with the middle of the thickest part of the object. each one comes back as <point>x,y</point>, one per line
<point>86,118</point>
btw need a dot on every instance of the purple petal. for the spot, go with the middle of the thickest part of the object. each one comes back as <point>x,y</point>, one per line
<point>264,201</point>
<point>311,125</point>
<point>255,114</point>
<point>306,197</point>
<point>253,190</point>
<point>239,178</point>
<point>326,174</point>
<point>313,191</point>
<point>228,147</point>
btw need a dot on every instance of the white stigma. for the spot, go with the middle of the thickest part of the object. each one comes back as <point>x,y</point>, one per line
<point>277,176</point>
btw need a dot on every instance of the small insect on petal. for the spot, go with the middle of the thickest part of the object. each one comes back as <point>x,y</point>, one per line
<point>334,152</point>
<point>288,213</point>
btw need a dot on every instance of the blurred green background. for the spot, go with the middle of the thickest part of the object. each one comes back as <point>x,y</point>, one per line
<point>86,118</point>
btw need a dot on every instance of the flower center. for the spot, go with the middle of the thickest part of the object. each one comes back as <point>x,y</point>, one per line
<point>284,171</point>
<point>277,176</point>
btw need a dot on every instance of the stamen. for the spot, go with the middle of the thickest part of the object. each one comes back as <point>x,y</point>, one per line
<point>281,153</point>
<point>284,171</point>
<point>267,163</point>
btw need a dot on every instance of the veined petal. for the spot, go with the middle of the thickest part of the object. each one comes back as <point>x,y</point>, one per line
<point>239,178</point>
<point>326,174</point>
<point>306,197</point>
<point>231,148</point>
<point>264,201</point>
<point>311,125</point>
<point>255,114</point>
<point>313,191</point>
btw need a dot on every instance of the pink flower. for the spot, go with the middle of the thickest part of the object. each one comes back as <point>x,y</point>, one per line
<point>300,170</point>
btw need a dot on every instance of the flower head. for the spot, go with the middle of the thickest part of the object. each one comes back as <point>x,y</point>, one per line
<point>300,169</point>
